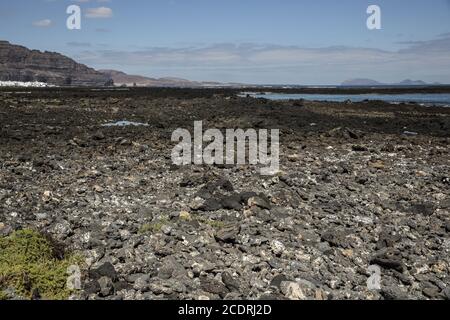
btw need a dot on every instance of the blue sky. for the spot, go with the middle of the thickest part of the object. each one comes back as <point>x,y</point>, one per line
<point>253,41</point>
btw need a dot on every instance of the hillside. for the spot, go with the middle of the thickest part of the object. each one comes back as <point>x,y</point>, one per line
<point>18,63</point>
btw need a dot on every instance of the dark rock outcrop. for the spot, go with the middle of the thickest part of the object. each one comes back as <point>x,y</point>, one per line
<point>18,63</point>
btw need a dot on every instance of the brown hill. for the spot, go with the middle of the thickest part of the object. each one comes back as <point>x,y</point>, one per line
<point>123,79</point>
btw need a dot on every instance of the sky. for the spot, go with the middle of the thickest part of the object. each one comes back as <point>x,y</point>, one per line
<point>309,42</point>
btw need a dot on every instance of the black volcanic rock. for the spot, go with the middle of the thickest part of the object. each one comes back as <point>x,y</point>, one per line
<point>18,63</point>
<point>311,231</point>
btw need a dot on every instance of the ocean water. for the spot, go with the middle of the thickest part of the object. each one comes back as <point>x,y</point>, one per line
<point>427,99</point>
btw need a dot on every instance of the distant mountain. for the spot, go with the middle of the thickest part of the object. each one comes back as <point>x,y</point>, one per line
<point>373,83</point>
<point>18,63</point>
<point>409,82</point>
<point>361,83</point>
<point>123,79</point>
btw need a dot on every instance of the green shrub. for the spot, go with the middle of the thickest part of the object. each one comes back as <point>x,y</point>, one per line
<point>154,226</point>
<point>28,262</point>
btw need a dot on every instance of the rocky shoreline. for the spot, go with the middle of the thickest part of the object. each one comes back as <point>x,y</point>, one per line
<point>360,184</point>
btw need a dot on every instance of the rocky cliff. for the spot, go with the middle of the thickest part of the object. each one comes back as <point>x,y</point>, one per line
<point>18,63</point>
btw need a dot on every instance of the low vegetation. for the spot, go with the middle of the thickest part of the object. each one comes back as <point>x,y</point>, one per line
<point>155,226</point>
<point>32,266</point>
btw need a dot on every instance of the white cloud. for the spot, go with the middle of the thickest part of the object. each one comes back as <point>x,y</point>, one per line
<point>43,23</point>
<point>79,44</point>
<point>101,12</point>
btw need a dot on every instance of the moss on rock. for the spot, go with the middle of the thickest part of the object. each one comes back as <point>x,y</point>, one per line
<point>3,296</point>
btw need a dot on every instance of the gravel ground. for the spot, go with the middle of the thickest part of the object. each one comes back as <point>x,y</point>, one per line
<point>359,185</point>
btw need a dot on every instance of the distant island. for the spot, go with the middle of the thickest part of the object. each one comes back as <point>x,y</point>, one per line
<point>373,83</point>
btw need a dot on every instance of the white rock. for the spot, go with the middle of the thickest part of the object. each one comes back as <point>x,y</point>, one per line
<point>74,279</point>
<point>292,290</point>
<point>277,247</point>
